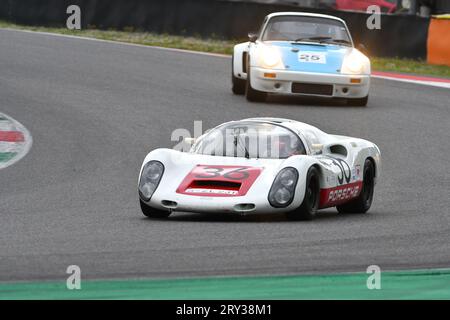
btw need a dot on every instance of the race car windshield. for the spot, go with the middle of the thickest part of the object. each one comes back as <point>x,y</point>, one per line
<point>251,140</point>
<point>306,29</point>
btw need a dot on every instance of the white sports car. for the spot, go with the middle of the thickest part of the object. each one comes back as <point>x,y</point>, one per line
<point>301,54</point>
<point>261,165</point>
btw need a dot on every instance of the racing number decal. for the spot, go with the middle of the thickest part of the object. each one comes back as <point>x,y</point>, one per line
<point>211,173</point>
<point>312,57</point>
<point>341,164</point>
<point>214,172</point>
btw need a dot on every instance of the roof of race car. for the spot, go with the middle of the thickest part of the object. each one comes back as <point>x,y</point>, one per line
<point>269,119</point>
<point>300,126</point>
<point>282,121</point>
<point>305,14</point>
<point>311,134</point>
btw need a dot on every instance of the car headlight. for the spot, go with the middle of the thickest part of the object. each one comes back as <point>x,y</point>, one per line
<point>150,178</point>
<point>270,56</point>
<point>282,191</point>
<point>354,63</point>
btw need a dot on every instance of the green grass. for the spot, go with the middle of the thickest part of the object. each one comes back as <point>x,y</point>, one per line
<point>138,37</point>
<point>410,66</point>
<point>215,45</point>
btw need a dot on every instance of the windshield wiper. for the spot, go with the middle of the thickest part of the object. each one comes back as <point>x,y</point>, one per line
<point>340,41</point>
<point>237,138</point>
<point>314,39</point>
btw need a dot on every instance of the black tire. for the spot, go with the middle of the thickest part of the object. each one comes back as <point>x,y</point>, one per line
<point>152,212</point>
<point>237,85</point>
<point>358,102</point>
<point>310,204</point>
<point>364,201</point>
<point>252,94</point>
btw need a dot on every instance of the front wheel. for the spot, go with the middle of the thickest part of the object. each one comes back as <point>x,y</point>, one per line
<point>310,204</point>
<point>358,102</point>
<point>237,85</point>
<point>152,212</point>
<point>252,94</point>
<point>364,201</point>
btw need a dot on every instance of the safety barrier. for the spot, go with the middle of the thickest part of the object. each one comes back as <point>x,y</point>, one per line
<point>438,44</point>
<point>400,36</point>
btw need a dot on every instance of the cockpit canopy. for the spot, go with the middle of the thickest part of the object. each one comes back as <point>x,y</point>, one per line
<point>250,139</point>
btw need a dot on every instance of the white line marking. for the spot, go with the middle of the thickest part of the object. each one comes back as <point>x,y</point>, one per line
<point>425,83</point>
<point>218,55</point>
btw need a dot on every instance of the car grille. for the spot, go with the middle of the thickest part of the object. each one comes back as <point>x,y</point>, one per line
<point>312,88</point>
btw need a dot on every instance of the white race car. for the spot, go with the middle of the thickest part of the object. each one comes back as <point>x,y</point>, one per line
<point>261,165</point>
<point>301,54</point>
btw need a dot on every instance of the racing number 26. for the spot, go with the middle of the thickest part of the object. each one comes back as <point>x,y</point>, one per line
<point>212,172</point>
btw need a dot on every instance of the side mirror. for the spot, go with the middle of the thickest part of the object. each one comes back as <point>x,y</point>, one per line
<point>362,48</point>
<point>317,148</point>
<point>189,141</point>
<point>252,36</point>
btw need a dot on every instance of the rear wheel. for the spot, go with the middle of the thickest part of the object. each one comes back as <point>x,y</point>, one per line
<point>152,212</point>
<point>237,85</point>
<point>358,102</point>
<point>252,94</point>
<point>310,204</point>
<point>364,201</point>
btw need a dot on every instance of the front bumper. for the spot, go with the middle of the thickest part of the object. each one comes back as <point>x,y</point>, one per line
<point>342,87</point>
<point>235,205</point>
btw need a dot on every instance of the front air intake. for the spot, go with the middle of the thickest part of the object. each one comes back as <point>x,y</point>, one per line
<point>312,88</point>
<point>215,184</point>
<point>213,187</point>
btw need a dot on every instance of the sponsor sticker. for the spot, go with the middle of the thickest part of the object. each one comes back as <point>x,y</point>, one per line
<point>214,191</point>
<point>336,195</point>
<point>356,172</point>
<point>343,194</point>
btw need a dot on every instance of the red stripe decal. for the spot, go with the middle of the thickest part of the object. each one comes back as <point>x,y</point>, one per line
<point>11,136</point>
<point>219,181</point>
<point>333,196</point>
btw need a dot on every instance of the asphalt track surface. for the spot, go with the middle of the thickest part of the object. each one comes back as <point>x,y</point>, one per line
<point>95,109</point>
